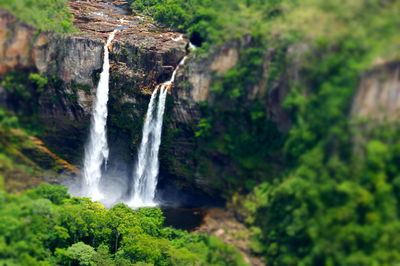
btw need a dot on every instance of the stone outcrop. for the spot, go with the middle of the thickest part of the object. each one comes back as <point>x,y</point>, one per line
<point>378,95</point>
<point>194,81</point>
<point>15,39</point>
<point>141,52</point>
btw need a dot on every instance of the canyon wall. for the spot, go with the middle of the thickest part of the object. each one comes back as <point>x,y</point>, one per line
<point>142,56</point>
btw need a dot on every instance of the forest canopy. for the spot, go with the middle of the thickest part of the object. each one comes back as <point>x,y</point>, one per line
<point>45,226</point>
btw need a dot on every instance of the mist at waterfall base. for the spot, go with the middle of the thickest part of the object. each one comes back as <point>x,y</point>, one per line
<point>117,182</point>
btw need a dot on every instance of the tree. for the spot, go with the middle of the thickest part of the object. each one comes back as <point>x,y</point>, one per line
<point>54,193</point>
<point>77,254</point>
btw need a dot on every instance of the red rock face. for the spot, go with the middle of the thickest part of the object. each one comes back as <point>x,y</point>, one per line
<point>15,43</point>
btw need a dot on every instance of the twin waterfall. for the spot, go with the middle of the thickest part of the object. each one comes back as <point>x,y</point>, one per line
<point>96,150</point>
<point>146,171</point>
<point>147,167</point>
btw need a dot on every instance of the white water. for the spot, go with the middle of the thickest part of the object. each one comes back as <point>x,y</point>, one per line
<point>147,167</point>
<point>96,150</point>
<point>192,46</point>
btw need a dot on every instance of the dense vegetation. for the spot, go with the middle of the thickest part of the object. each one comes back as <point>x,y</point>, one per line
<point>45,226</point>
<point>46,15</point>
<point>333,200</point>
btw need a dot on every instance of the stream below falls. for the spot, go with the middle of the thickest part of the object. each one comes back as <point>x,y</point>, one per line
<point>188,219</point>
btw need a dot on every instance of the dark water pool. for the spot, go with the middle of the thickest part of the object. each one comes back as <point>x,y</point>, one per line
<point>183,218</point>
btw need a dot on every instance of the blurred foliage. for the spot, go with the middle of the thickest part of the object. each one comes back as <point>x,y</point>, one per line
<point>15,168</point>
<point>45,15</point>
<point>23,90</point>
<point>331,210</point>
<point>337,201</point>
<point>24,159</point>
<point>45,226</point>
<point>215,21</point>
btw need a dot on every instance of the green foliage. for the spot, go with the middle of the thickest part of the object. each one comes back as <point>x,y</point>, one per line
<point>44,226</point>
<point>46,15</point>
<point>17,85</point>
<point>337,201</point>
<point>39,81</point>
<point>329,211</point>
<point>55,193</point>
<point>23,91</point>
<point>8,121</point>
<point>16,170</point>
<point>79,253</point>
<point>203,127</point>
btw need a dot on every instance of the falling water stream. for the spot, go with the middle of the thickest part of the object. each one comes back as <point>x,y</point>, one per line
<point>96,149</point>
<point>145,174</point>
<point>147,166</point>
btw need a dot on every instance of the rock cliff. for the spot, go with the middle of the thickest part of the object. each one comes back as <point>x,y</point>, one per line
<point>142,55</point>
<point>378,95</point>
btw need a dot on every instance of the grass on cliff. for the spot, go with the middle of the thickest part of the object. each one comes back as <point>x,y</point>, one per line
<point>45,15</point>
<point>24,159</point>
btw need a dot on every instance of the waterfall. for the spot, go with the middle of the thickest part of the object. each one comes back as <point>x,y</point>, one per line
<point>147,166</point>
<point>96,149</point>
